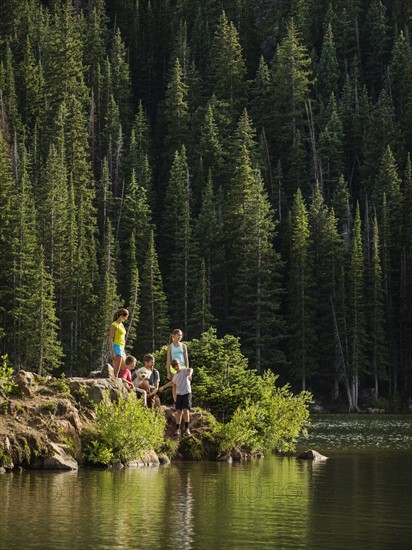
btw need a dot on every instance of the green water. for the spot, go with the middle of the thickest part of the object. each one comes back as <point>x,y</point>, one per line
<point>360,498</point>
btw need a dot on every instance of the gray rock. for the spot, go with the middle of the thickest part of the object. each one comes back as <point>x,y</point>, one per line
<point>96,388</point>
<point>24,380</point>
<point>164,459</point>
<point>60,460</point>
<point>312,455</point>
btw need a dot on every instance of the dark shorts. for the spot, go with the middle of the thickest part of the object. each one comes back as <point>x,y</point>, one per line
<point>183,401</point>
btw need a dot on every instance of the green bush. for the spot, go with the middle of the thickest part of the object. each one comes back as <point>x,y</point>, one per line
<point>274,420</point>
<point>7,384</point>
<point>222,380</point>
<point>124,430</point>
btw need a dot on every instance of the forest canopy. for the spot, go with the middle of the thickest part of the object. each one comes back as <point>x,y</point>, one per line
<point>236,164</point>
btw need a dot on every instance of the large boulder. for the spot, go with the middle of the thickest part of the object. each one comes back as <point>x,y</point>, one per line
<point>94,389</point>
<point>59,459</point>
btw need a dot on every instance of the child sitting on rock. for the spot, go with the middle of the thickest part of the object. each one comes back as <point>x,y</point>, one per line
<point>181,381</point>
<point>126,375</point>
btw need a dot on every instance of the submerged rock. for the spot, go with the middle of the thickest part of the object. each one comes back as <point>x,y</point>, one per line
<point>312,455</point>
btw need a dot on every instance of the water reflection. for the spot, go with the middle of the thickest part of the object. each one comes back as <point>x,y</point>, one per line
<point>352,500</point>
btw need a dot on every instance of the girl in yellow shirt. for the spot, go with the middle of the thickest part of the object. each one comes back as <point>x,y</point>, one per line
<point>117,340</point>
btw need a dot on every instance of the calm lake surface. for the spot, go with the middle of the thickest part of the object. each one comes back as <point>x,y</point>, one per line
<point>361,498</point>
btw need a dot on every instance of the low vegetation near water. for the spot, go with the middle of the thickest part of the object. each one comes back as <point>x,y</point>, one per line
<point>238,410</point>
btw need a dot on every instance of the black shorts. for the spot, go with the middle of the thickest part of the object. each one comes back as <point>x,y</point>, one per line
<point>183,401</point>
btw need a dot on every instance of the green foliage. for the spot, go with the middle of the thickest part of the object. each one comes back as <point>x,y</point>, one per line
<point>50,406</point>
<point>273,420</point>
<point>7,384</point>
<point>124,430</point>
<point>60,386</point>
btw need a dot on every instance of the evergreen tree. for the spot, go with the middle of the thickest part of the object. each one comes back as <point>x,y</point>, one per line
<point>255,309</point>
<point>176,112</point>
<point>357,337</point>
<point>376,48</point>
<point>376,329</point>
<point>331,151</point>
<point>8,205</point>
<point>177,231</point>
<point>262,96</point>
<point>227,70</point>
<point>153,327</point>
<point>201,318</point>
<point>300,293</point>
<point>121,79</point>
<point>292,78</point>
<point>327,71</point>
<point>36,345</point>
<point>400,70</point>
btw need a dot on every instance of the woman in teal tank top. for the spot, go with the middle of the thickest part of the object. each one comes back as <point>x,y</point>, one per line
<point>176,350</point>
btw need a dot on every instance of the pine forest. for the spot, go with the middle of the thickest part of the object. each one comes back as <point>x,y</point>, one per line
<point>235,165</point>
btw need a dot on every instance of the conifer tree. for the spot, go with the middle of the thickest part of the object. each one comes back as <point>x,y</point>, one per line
<point>357,337</point>
<point>292,78</point>
<point>108,299</point>
<point>227,69</point>
<point>406,280</point>
<point>400,70</point>
<point>121,79</point>
<point>327,70</point>
<point>262,97</point>
<point>381,130</point>
<point>255,308</point>
<point>36,345</point>
<point>134,294</point>
<point>177,231</point>
<point>176,111</point>
<point>376,330</point>
<point>8,220</point>
<point>52,221</point>
<point>201,318</point>
<point>376,48</point>
<point>301,304</point>
<point>153,327</point>
<point>331,150</point>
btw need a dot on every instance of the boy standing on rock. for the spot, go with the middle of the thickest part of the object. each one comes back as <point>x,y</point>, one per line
<point>181,380</point>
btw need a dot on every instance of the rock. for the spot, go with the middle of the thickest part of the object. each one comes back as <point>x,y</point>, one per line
<point>24,380</point>
<point>312,455</point>
<point>150,459</point>
<point>2,470</point>
<point>94,389</point>
<point>107,371</point>
<point>226,458</point>
<point>60,460</point>
<point>164,459</point>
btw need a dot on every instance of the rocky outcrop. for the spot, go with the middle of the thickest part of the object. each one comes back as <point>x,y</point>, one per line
<point>94,389</point>
<point>41,428</point>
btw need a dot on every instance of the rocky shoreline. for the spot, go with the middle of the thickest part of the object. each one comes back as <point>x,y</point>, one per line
<point>41,426</point>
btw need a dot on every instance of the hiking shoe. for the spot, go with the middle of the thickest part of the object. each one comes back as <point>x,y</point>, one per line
<point>178,432</point>
<point>188,432</point>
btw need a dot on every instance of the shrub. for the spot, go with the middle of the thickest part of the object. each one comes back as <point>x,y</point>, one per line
<point>7,384</point>
<point>274,420</point>
<point>124,430</point>
<point>222,380</point>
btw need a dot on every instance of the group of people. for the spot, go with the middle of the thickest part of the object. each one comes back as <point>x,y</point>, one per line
<point>147,387</point>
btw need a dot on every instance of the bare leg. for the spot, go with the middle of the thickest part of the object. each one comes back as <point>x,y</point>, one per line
<point>178,418</point>
<point>118,365</point>
<point>186,415</point>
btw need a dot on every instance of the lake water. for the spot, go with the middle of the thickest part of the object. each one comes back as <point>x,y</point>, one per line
<point>361,498</point>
